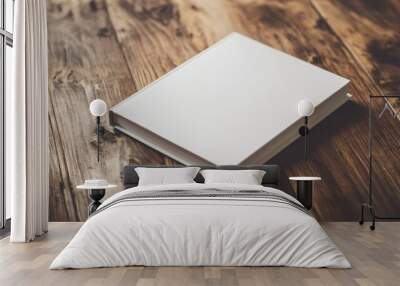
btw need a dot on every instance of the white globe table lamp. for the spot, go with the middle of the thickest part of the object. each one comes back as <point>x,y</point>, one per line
<point>305,108</point>
<point>98,108</point>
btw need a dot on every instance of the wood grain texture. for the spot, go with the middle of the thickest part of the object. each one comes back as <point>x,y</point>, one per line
<point>85,62</point>
<point>110,49</point>
<point>374,257</point>
<point>371,31</point>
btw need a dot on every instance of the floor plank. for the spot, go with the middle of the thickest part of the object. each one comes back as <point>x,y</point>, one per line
<point>375,257</point>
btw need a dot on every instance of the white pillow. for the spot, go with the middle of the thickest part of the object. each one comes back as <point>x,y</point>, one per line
<point>165,176</point>
<point>248,177</point>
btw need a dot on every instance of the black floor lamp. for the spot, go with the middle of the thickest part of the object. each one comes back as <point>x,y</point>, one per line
<point>369,206</point>
<point>98,108</point>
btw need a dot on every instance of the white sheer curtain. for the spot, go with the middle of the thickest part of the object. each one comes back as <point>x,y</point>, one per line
<point>27,124</point>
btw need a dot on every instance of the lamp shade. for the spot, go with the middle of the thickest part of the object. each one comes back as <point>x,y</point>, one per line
<point>305,107</point>
<point>98,107</point>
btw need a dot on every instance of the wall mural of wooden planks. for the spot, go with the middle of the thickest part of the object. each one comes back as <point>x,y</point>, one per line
<point>110,49</point>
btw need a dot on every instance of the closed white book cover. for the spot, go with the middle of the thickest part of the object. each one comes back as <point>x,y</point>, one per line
<point>230,100</point>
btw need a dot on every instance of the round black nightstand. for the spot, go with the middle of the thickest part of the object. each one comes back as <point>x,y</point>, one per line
<point>96,193</point>
<point>305,189</point>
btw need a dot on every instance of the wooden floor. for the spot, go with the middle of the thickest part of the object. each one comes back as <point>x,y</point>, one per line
<point>110,49</point>
<point>375,257</point>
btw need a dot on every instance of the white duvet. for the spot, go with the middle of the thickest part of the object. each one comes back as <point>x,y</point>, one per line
<point>200,231</point>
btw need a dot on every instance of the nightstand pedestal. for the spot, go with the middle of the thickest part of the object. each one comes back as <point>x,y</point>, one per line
<point>95,195</point>
<point>305,189</point>
<point>96,190</point>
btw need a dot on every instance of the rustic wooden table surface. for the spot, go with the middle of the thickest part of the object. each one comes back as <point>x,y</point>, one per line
<point>110,49</point>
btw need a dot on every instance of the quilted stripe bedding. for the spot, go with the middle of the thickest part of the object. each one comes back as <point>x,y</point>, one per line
<point>201,225</point>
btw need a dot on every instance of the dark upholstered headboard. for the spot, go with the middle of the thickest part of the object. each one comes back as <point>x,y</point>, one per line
<point>271,177</point>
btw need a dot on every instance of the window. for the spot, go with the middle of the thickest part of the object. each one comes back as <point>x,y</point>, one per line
<point>6,65</point>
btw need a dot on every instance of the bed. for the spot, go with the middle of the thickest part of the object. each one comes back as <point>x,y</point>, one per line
<point>201,224</point>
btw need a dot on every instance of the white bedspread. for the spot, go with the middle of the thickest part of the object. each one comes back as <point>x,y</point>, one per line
<point>200,231</point>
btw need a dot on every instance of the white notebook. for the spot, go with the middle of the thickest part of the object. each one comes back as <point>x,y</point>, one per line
<point>234,103</point>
